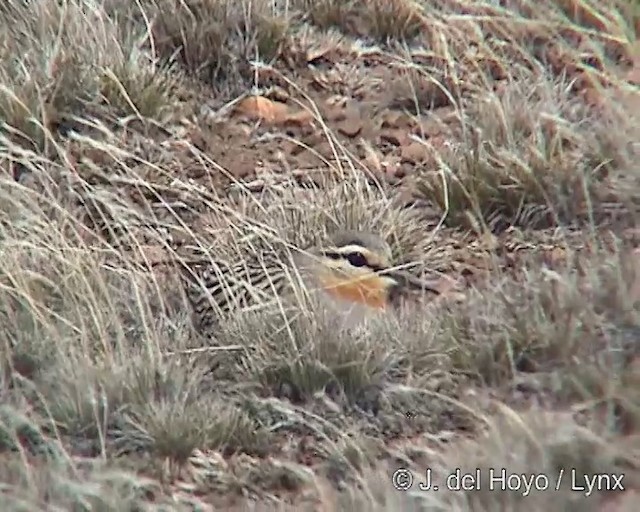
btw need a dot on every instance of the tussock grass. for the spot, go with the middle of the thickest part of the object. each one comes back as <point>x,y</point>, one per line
<point>62,485</point>
<point>372,19</point>
<point>111,398</point>
<point>563,318</point>
<point>549,442</point>
<point>216,39</point>
<point>64,60</point>
<point>537,166</point>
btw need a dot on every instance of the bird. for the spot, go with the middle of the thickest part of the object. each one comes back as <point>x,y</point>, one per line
<point>351,274</point>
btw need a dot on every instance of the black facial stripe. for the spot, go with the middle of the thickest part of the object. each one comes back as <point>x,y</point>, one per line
<point>342,256</point>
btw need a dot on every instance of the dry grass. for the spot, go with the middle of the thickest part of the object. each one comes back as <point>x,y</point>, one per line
<point>537,166</point>
<point>112,401</point>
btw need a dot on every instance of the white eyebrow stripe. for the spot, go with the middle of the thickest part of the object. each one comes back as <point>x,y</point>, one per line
<point>352,248</point>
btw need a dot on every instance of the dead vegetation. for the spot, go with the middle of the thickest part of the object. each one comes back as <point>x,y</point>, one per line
<point>493,144</point>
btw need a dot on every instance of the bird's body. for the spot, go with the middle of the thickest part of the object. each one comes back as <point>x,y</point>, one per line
<point>350,276</point>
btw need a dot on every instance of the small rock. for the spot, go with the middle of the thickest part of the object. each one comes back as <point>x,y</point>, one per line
<point>350,126</point>
<point>415,152</point>
<point>394,137</point>
<point>258,107</point>
<point>394,120</point>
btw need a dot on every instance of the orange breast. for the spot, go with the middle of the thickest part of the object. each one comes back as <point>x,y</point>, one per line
<point>370,291</point>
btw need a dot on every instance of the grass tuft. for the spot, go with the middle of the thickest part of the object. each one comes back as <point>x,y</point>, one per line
<point>215,40</point>
<point>64,60</point>
<point>383,22</point>
<point>534,167</point>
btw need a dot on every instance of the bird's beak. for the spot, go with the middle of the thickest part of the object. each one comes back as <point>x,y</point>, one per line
<point>410,282</point>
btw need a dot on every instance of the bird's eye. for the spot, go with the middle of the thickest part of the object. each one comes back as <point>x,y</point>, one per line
<point>357,259</point>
